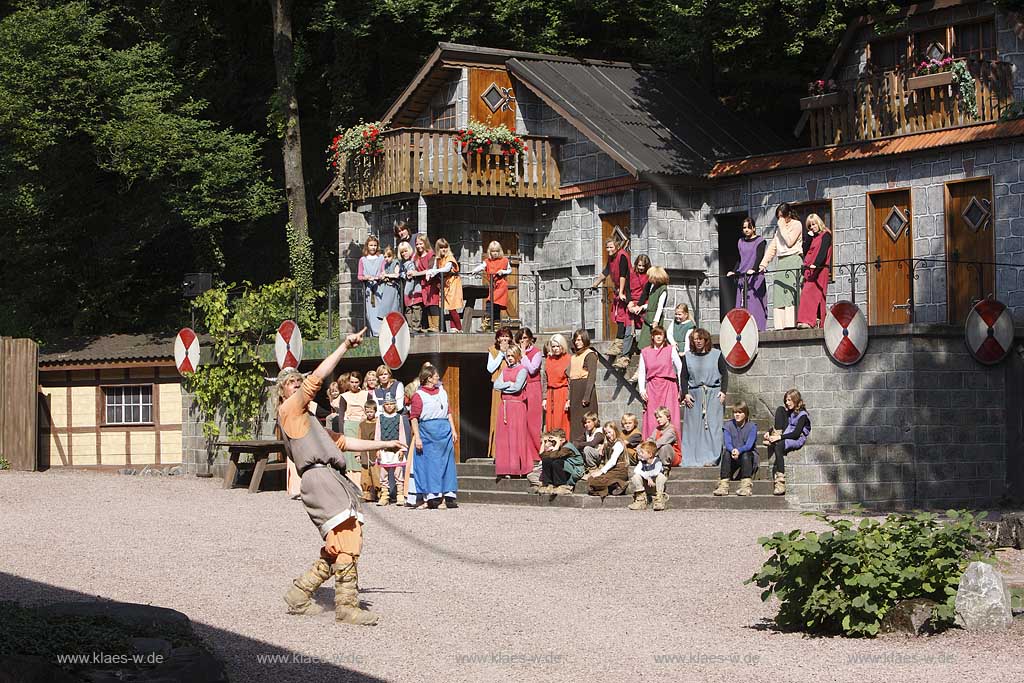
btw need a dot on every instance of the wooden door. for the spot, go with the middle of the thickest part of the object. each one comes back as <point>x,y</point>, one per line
<point>493,106</point>
<point>969,237</point>
<point>509,242</point>
<point>613,226</point>
<point>890,237</point>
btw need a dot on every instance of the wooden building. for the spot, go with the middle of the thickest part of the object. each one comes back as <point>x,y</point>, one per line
<point>110,402</point>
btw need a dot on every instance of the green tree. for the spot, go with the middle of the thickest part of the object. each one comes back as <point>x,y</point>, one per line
<point>112,182</point>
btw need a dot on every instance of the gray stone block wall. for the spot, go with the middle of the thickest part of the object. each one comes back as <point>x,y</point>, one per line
<point>917,423</point>
<point>454,91</point>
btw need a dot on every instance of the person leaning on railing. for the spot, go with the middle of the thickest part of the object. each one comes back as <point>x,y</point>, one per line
<point>788,246</point>
<point>496,269</point>
<point>817,265</point>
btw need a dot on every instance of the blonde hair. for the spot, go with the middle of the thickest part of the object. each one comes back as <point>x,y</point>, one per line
<point>441,243</point>
<point>664,412</point>
<point>657,275</point>
<point>684,308</point>
<point>495,244</point>
<point>382,369</point>
<point>631,416</point>
<point>514,350</point>
<point>389,253</point>
<point>404,247</point>
<point>420,237</point>
<point>615,429</point>
<point>282,379</point>
<point>648,447</point>
<point>815,219</point>
<point>561,341</point>
<point>368,375</point>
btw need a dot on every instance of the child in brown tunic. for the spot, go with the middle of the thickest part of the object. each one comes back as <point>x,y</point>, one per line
<point>370,480</point>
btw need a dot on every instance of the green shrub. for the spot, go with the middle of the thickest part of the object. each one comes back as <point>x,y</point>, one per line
<point>845,580</point>
<point>4,465</point>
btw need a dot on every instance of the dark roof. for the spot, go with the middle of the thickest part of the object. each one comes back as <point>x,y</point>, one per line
<point>648,120</point>
<point>108,349</point>
<point>899,144</point>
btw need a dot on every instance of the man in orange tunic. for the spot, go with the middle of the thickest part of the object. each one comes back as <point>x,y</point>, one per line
<point>332,501</point>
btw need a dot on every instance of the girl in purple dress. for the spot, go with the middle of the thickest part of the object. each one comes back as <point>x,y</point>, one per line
<point>750,279</point>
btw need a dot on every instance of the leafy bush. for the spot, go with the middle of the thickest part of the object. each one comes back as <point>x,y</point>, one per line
<point>846,580</point>
<point>964,82</point>
<point>4,465</point>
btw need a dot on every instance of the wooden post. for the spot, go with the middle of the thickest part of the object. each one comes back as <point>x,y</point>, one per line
<point>19,409</point>
<point>450,380</point>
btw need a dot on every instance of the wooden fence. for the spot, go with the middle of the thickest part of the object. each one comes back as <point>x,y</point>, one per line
<point>18,402</point>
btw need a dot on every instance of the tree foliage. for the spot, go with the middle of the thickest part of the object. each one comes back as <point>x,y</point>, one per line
<point>112,182</point>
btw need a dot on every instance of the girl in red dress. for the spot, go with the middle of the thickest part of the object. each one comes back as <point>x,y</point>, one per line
<point>496,269</point>
<point>817,265</point>
<point>556,398</point>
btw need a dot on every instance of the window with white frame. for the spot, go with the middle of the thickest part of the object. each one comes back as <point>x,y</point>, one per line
<point>129,405</point>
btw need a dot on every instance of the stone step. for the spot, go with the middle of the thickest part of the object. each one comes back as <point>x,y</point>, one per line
<point>672,487</point>
<point>689,502</point>
<point>481,467</point>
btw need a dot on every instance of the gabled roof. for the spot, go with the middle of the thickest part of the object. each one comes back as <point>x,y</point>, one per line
<point>650,121</point>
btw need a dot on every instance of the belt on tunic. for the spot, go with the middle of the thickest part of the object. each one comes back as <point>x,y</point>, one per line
<point>310,466</point>
<point>504,410</point>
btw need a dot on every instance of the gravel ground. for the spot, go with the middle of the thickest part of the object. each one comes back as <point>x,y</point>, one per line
<point>483,593</point>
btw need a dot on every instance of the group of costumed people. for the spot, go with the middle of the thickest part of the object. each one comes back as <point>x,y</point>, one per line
<point>425,284</point>
<point>803,265</point>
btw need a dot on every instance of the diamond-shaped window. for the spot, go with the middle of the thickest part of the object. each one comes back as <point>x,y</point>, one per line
<point>935,51</point>
<point>976,213</point>
<point>493,97</point>
<point>896,223</point>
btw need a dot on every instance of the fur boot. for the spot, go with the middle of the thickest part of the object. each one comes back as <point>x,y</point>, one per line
<point>300,596</point>
<point>346,596</point>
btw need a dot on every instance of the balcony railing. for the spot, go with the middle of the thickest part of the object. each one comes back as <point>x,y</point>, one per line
<point>428,161</point>
<point>887,105</point>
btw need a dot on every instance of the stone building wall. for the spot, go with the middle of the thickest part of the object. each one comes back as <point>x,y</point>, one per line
<point>917,423</point>
<point>925,174</point>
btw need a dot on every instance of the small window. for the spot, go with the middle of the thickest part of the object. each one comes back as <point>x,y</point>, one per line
<point>129,405</point>
<point>443,118</point>
<point>975,41</point>
<point>888,53</point>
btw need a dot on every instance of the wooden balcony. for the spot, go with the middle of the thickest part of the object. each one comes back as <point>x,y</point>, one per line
<point>428,161</point>
<point>888,105</point>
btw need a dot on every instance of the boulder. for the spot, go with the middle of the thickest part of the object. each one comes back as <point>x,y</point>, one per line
<point>125,612</point>
<point>27,669</point>
<point>982,600</point>
<point>910,616</point>
<point>1010,531</point>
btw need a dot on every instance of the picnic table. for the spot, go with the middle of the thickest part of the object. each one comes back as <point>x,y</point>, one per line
<point>261,451</point>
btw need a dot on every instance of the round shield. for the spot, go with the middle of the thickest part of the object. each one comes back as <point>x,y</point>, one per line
<point>394,340</point>
<point>989,331</point>
<point>288,345</point>
<point>186,351</point>
<point>846,333</point>
<point>738,338</point>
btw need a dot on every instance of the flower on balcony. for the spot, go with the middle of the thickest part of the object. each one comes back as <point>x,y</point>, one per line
<point>821,87</point>
<point>360,140</point>
<point>353,151</point>
<point>478,137</point>
<point>932,66</point>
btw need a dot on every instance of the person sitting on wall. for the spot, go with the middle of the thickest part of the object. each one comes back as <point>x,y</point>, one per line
<point>740,438</point>
<point>792,427</point>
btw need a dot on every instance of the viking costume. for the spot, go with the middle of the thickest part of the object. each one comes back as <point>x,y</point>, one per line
<point>704,375</point>
<point>582,388</point>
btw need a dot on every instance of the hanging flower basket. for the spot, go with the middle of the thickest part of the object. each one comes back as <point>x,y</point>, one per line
<point>933,73</point>
<point>479,138</point>
<point>353,152</point>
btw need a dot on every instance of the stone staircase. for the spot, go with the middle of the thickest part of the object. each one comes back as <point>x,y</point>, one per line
<point>687,488</point>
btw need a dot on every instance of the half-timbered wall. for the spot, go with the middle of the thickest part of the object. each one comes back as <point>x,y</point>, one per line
<point>73,429</point>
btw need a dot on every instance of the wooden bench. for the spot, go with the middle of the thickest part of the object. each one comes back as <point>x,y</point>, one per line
<point>261,451</point>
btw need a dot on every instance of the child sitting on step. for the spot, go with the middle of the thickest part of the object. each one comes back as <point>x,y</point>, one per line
<point>631,431</point>
<point>665,438</point>
<point>648,476</point>
<point>561,464</point>
<point>391,427</point>
<point>612,476</point>
<point>593,440</point>
<point>740,438</point>
<point>792,427</point>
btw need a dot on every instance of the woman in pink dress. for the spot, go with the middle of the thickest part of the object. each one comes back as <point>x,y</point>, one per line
<point>534,394</point>
<point>513,450</point>
<point>658,381</point>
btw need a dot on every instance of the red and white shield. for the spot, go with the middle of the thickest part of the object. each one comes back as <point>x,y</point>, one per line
<point>846,333</point>
<point>989,331</point>
<point>288,345</point>
<point>394,340</point>
<point>738,338</point>
<point>186,351</point>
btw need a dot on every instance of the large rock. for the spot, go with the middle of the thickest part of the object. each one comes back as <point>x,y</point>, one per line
<point>982,600</point>
<point>1009,531</point>
<point>26,669</point>
<point>129,613</point>
<point>910,616</point>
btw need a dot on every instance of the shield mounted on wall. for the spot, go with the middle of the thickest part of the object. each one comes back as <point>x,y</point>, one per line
<point>738,338</point>
<point>846,333</point>
<point>989,331</point>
